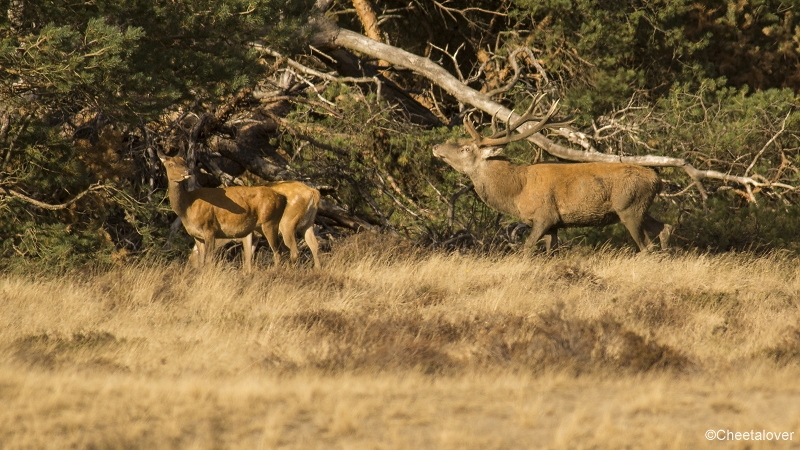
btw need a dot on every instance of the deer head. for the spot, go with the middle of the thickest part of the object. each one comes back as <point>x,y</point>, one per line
<point>467,155</point>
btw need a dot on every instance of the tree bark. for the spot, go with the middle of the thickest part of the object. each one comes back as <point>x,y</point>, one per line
<point>367,16</point>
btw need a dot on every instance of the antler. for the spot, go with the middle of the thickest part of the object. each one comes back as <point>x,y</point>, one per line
<point>505,137</point>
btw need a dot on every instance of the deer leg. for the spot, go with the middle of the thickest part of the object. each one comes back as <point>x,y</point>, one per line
<point>551,240</point>
<point>271,234</point>
<point>247,253</point>
<point>664,236</point>
<point>537,231</point>
<point>633,222</point>
<point>287,229</point>
<point>197,253</point>
<point>655,227</point>
<point>209,247</point>
<point>313,245</point>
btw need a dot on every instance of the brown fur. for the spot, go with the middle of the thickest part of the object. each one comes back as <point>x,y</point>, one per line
<point>302,203</point>
<point>551,196</point>
<point>234,212</point>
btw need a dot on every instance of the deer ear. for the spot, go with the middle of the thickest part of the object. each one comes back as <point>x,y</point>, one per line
<point>490,152</point>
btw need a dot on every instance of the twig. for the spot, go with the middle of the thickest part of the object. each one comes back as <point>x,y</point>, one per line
<point>465,10</point>
<point>12,192</point>
<point>453,58</point>
<point>309,71</point>
<point>512,58</point>
<point>770,141</point>
<point>451,205</point>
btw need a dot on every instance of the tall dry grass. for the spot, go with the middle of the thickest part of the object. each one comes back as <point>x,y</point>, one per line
<point>390,347</point>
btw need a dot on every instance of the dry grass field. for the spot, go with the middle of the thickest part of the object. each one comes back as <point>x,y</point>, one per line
<point>391,348</point>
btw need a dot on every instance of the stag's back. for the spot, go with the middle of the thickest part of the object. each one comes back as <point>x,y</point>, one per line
<point>588,194</point>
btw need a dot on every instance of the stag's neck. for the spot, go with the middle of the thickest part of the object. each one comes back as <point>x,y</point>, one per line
<point>499,183</point>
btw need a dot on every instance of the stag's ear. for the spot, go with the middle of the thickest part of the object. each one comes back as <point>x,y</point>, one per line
<point>489,152</point>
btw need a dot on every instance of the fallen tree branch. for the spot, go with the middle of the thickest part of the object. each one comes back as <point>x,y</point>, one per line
<point>332,35</point>
<point>340,217</point>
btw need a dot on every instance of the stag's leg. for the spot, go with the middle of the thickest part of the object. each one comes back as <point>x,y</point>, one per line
<point>664,236</point>
<point>197,253</point>
<point>537,231</point>
<point>211,250</point>
<point>551,240</point>
<point>634,223</point>
<point>655,227</point>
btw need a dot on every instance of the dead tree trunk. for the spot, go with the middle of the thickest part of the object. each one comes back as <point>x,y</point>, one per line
<point>368,19</point>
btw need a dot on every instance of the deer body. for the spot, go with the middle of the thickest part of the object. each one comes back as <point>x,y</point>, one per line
<point>549,196</point>
<point>209,214</point>
<point>299,212</point>
<point>302,203</point>
<point>232,212</point>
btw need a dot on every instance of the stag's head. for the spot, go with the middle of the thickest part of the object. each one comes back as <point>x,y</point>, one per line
<point>467,155</point>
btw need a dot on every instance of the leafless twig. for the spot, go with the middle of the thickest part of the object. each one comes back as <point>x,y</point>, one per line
<point>7,191</point>
<point>770,141</point>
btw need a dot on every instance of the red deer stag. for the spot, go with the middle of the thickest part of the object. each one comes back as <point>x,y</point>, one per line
<point>211,214</point>
<point>549,196</point>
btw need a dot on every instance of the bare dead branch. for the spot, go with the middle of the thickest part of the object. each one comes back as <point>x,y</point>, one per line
<point>465,94</point>
<point>291,98</point>
<point>453,57</point>
<point>310,71</point>
<point>462,12</point>
<point>770,141</point>
<point>11,192</point>
<point>284,123</point>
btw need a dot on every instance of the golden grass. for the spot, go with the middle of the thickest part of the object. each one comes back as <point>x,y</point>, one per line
<point>388,347</point>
